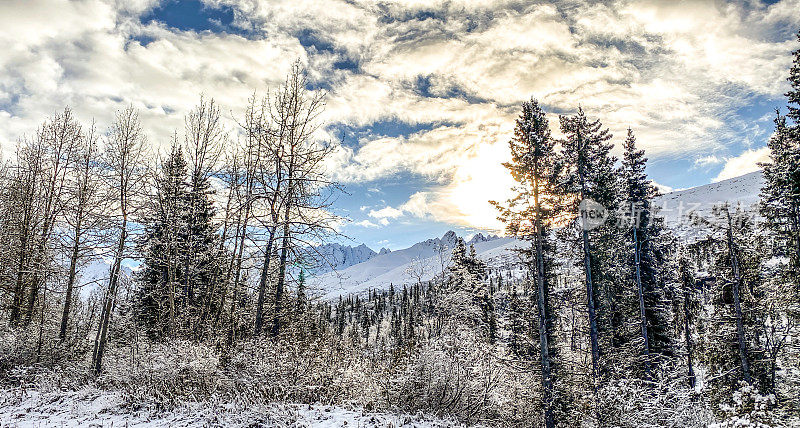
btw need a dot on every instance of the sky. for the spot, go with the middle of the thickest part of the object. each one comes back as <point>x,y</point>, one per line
<point>422,94</point>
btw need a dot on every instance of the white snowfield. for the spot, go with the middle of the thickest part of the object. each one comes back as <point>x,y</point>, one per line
<point>676,206</point>
<point>399,267</point>
<point>95,408</point>
<point>421,262</point>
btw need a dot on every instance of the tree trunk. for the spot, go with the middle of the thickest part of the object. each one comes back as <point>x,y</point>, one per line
<point>587,263</point>
<point>544,348</point>
<point>737,303</point>
<point>796,229</point>
<point>73,267</point>
<point>262,282</point>
<point>105,315</point>
<point>276,321</point>
<point>593,336</point>
<point>687,333</point>
<point>642,316</point>
<point>19,285</point>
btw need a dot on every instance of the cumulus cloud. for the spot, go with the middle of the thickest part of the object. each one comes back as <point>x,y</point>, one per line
<point>386,212</point>
<point>365,223</point>
<point>745,163</point>
<point>674,72</point>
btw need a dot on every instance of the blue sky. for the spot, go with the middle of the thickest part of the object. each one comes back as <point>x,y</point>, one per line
<point>422,94</point>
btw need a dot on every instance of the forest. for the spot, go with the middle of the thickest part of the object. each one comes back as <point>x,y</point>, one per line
<point>209,240</point>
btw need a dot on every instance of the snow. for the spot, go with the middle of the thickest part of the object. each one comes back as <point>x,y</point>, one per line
<point>90,407</point>
<point>386,268</point>
<point>676,206</point>
<point>336,256</point>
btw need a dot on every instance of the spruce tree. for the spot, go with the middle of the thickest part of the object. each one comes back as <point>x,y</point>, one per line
<point>643,233</point>
<point>733,330</point>
<point>780,196</point>
<point>517,326</point>
<point>202,261</point>
<point>163,247</point>
<point>589,186</point>
<point>528,216</point>
<point>463,301</point>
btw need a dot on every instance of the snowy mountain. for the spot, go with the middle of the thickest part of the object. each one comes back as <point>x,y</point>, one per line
<point>94,275</point>
<point>423,261</point>
<point>677,207</point>
<point>334,256</point>
<point>480,238</point>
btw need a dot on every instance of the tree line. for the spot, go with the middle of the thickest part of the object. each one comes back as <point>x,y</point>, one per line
<point>196,218</point>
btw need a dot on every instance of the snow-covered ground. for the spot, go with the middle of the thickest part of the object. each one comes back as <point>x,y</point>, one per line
<point>95,408</point>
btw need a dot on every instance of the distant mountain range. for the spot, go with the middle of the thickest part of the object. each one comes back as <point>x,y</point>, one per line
<point>336,256</point>
<point>400,266</point>
<point>422,261</point>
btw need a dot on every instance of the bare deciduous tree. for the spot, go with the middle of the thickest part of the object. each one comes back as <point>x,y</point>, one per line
<point>124,161</point>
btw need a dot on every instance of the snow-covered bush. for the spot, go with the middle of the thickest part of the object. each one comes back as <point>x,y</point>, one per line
<point>748,409</point>
<point>317,371</point>
<point>455,374</point>
<point>164,372</point>
<point>635,403</point>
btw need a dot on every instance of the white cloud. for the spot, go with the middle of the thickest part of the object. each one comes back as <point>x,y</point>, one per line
<point>707,161</point>
<point>745,163</point>
<point>386,212</point>
<point>384,221</point>
<point>365,223</point>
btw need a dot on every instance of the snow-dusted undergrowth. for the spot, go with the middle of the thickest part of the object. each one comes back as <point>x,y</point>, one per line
<point>91,407</point>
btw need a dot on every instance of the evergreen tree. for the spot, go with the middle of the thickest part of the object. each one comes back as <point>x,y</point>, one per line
<point>780,196</point>
<point>643,234</point>
<point>589,186</point>
<point>163,247</point>
<point>517,326</point>
<point>732,331</point>
<point>203,259</point>
<point>793,95</point>
<point>179,282</point>
<point>528,216</point>
<point>464,298</point>
<point>689,305</point>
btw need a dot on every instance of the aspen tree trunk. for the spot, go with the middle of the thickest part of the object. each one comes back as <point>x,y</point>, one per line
<point>73,265</point>
<point>262,282</point>
<point>108,304</point>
